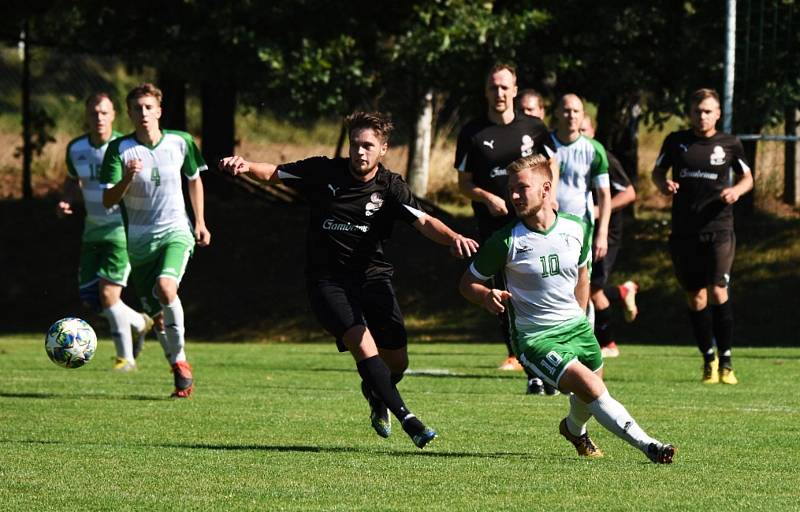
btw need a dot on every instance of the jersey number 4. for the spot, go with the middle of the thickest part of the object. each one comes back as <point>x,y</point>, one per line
<point>550,265</point>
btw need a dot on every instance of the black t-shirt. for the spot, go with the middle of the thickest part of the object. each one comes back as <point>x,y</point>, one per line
<point>702,167</point>
<point>619,181</point>
<point>350,219</point>
<point>485,149</point>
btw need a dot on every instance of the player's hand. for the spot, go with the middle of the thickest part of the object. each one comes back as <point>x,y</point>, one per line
<point>63,209</point>
<point>600,247</point>
<point>132,168</point>
<point>234,165</point>
<point>729,195</point>
<point>670,188</point>
<point>463,247</point>
<point>493,300</point>
<point>497,206</point>
<point>202,235</point>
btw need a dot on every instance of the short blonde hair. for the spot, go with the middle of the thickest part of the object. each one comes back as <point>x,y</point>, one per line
<point>538,164</point>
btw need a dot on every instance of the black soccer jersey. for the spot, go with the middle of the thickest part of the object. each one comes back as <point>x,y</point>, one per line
<point>619,181</point>
<point>485,149</point>
<point>702,167</point>
<point>350,219</point>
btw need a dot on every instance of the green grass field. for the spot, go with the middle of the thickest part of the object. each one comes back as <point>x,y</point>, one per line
<point>284,427</point>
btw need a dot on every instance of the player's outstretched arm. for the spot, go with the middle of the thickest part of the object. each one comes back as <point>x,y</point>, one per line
<point>436,230</point>
<point>197,197</point>
<point>237,165</point>
<point>475,291</point>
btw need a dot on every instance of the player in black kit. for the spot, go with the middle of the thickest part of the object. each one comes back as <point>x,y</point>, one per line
<point>702,244</point>
<point>354,203</point>
<point>485,147</point>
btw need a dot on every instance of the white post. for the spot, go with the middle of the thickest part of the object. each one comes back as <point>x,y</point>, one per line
<point>730,65</point>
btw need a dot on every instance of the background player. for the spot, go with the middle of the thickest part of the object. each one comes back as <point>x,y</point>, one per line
<point>532,103</point>
<point>545,256</point>
<point>104,266</point>
<point>702,242</point>
<point>143,170</point>
<point>354,204</point>
<point>485,147</point>
<point>622,195</point>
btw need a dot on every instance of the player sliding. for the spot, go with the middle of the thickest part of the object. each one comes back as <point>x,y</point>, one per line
<point>544,256</point>
<point>354,203</point>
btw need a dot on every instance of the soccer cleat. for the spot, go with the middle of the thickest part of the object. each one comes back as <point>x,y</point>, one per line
<point>551,390</point>
<point>660,453</point>
<point>628,291</point>
<point>535,386</point>
<point>610,350</point>
<point>122,365</point>
<point>710,372</point>
<point>424,438</point>
<point>726,376</point>
<point>139,336</point>
<point>510,364</point>
<point>583,443</point>
<point>184,383</point>
<point>379,413</point>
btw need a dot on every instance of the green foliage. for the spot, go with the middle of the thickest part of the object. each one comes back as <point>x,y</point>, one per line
<point>284,427</point>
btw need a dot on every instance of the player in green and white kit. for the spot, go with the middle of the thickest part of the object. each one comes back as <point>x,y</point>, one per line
<point>143,170</point>
<point>544,256</point>
<point>104,267</point>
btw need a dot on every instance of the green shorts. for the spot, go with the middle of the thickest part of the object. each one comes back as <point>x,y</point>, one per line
<point>107,259</point>
<point>170,260</point>
<point>549,353</point>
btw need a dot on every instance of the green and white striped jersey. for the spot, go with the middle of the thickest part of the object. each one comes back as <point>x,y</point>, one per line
<point>153,205</point>
<point>540,270</point>
<point>83,164</point>
<point>584,165</point>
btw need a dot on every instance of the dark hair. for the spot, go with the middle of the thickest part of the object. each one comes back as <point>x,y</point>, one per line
<point>97,97</point>
<point>702,94</point>
<point>536,163</point>
<point>500,66</point>
<point>378,122</point>
<point>144,89</point>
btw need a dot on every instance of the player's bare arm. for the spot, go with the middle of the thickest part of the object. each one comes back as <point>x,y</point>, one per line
<point>555,169</point>
<point>604,205</point>
<point>475,291</point>
<point>732,194</point>
<point>115,194</point>
<point>70,195</point>
<point>664,185</point>
<point>436,230</point>
<point>582,288</point>
<point>495,204</point>
<point>236,165</point>
<point>197,196</point>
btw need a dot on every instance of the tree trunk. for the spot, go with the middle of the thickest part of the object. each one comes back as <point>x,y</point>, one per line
<point>420,156</point>
<point>791,166</point>
<point>219,110</point>
<point>27,143</point>
<point>173,86</point>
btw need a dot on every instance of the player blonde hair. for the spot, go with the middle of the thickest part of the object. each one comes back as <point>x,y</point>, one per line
<point>538,164</point>
<point>378,122</point>
<point>97,97</point>
<point>144,89</point>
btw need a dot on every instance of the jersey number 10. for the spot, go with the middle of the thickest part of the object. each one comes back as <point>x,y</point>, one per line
<point>550,265</point>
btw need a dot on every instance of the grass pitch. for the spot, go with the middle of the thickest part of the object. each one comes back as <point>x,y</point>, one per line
<point>284,427</point>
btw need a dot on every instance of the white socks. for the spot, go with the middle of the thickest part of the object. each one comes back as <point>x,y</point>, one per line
<point>614,417</point>
<point>120,323</point>
<point>173,339</point>
<point>579,414</point>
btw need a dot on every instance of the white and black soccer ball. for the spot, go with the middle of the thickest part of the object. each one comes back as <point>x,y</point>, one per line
<point>70,342</point>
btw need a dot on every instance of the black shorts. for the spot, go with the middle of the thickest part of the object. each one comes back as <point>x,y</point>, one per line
<point>703,259</point>
<point>341,303</point>
<point>601,269</point>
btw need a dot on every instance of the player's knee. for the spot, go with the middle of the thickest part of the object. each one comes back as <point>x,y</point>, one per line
<point>697,300</point>
<point>90,296</point>
<point>719,295</point>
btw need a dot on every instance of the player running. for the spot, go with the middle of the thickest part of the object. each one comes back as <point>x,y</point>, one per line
<point>104,266</point>
<point>354,204</point>
<point>143,171</point>
<point>702,243</point>
<point>545,258</point>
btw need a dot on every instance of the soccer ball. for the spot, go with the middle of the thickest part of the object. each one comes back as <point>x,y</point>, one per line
<point>70,342</point>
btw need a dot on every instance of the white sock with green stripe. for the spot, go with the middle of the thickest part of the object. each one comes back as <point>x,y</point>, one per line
<point>120,330</point>
<point>173,326</point>
<point>614,417</point>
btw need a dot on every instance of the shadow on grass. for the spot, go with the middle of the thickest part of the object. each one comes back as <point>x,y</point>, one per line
<point>82,396</point>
